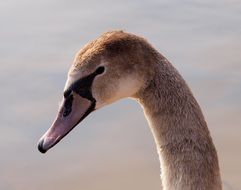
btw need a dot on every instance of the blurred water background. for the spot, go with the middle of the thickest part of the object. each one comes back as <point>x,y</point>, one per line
<point>113,148</point>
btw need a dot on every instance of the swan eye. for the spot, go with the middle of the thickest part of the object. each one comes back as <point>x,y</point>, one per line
<point>100,70</point>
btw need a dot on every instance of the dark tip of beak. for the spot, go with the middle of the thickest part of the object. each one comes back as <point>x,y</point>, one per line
<point>40,146</point>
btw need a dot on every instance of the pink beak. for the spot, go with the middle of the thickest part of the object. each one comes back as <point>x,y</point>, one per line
<point>73,110</point>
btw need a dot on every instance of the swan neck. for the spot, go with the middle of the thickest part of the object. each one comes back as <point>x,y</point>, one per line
<point>187,154</point>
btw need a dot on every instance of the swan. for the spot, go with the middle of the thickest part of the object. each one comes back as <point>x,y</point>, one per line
<point>118,65</point>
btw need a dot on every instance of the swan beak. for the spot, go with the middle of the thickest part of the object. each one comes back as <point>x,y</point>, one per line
<point>73,110</point>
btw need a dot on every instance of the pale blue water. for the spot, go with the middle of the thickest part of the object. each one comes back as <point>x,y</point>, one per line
<point>113,148</point>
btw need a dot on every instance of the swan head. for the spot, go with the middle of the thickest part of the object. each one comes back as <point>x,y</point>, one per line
<point>107,69</point>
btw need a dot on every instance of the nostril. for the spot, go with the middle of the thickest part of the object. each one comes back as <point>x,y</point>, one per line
<point>68,105</point>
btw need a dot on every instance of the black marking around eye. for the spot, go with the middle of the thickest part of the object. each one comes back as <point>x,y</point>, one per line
<point>83,88</point>
<point>67,93</point>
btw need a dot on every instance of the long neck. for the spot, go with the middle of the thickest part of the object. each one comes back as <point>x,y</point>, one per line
<point>187,155</point>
